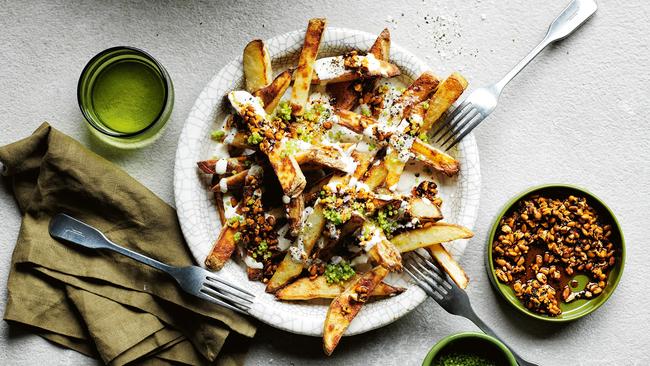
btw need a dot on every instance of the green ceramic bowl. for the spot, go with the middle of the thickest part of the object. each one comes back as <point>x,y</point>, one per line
<point>577,308</point>
<point>472,343</point>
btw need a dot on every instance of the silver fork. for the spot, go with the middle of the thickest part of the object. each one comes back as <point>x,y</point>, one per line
<point>192,279</point>
<point>447,294</point>
<point>482,101</point>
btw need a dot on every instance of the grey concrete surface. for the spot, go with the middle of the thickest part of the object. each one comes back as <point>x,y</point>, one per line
<point>577,115</point>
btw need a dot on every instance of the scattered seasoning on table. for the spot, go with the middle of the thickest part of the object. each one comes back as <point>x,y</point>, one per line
<point>463,359</point>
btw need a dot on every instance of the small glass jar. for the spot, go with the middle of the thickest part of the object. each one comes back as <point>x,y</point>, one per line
<point>126,96</point>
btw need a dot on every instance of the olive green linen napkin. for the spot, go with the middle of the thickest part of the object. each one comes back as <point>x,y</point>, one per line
<point>96,302</point>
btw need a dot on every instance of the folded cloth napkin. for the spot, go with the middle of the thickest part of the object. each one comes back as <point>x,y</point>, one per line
<point>100,303</point>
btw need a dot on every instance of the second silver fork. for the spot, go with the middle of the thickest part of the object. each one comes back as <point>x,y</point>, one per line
<point>480,103</point>
<point>447,294</point>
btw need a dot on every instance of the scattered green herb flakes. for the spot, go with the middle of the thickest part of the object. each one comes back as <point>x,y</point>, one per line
<point>385,220</point>
<point>255,138</point>
<point>462,359</point>
<point>423,136</point>
<point>237,237</point>
<point>365,110</point>
<point>333,216</point>
<point>340,272</point>
<point>284,110</point>
<point>262,251</point>
<point>425,105</point>
<point>218,135</point>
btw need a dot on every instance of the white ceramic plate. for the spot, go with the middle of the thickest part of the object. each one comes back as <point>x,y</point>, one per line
<point>198,216</point>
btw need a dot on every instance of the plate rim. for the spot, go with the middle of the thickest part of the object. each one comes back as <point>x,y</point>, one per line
<point>468,143</point>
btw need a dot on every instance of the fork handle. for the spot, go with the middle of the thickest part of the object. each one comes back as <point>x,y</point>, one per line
<point>571,18</point>
<point>73,231</point>
<point>471,315</point>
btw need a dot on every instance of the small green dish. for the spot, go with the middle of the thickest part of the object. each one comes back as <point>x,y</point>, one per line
<point>577,308</point>
<point>472,343</point>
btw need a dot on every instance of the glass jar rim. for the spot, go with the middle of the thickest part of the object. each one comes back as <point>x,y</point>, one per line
<point>163,75</point>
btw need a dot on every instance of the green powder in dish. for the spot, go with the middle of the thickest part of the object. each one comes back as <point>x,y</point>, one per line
<point>128,96</point>
<point>463,359</point>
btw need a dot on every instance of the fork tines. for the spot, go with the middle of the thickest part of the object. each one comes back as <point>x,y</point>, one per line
<point>457,125</point>
<point>428,276</point>
<point>226,294</point>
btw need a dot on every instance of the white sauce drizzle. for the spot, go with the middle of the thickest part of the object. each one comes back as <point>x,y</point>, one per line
<point>223,185</point>
<point>221,166</point>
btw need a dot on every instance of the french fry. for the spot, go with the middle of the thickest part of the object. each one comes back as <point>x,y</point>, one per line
<point>222,249</point>
<point>381,250</point>
<point>354,121</point>
<point>346,95</point>
<point>221,210</point>
<point>305,69</point>
<point>381,48</point>
<point>335,69</point>
<point>318,288</point>
<point>233,182</point>
<point>272,94</point>
<point>447,262</point>
<point>431,234</point>
<point>418,91</point>
<point>435,158</point>
<point>431,156</point>
<point>346,306</point>
<point>295,208</point>
<point>236,165</point>
<point>446,94</point>
<point>376,175</point>
<point>257,65</point>
<point>363,160</point>
<point>289,269</point>
<point>424,210</point>
<point>288,171</point>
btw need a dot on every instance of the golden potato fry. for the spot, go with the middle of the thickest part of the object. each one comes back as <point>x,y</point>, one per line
<point>346,95</point>
<point>305,69</point>
<point>318,288</point>
<point>289,269</point>
<point>447,262</point>
<point>333,69</point>
<point>257,65</point>
<point>446,94</point>
<point>295,208</point>
<point>381,250</point>
<point>434,233</point>
<point>424,210</point>
<point>222,249</point>
<point>435,158</point>
<point>272,94</point>
<point>346,306</point>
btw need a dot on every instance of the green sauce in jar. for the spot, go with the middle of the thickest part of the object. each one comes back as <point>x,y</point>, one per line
<point>128,96</point>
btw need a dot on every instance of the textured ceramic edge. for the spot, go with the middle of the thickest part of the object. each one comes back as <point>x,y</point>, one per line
<point>198,216</point>
<point>511,299</point>
<point>441,344</point>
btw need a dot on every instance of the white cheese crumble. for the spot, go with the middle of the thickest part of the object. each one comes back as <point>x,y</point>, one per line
<point>223,185</point>
<point>286,199</point>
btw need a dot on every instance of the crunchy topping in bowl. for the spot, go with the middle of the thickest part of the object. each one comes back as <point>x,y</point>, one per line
<point>544,242</point>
